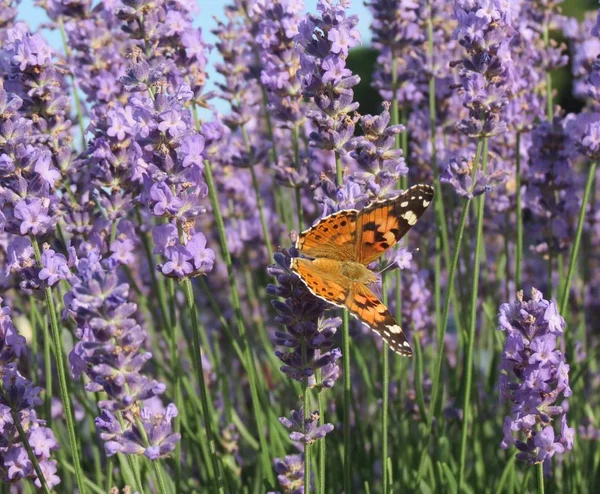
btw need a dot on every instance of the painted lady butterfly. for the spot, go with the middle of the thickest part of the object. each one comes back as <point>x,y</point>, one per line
<point>339,248</point>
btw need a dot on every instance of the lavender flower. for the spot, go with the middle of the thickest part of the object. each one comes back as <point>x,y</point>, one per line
<point>535,378</point>
<point>308,337</point>
<point>325,41</point>
<point>302,316</point>
<point>551,193</point>
<point>459,175</point>
<point>399,37</point>
<point>54,267</point>
<point>8,14</point>
<point>155,441</point>
<point>240,89</point>
<point>484,30</point>
<point>170,163</point>
<point>586,125</point>
<point>27,204</point>
<point>277,28</point>
<point>18,398</point>
<point>110,353</point>
<point>381,165</point>
<point>305,430</point>
<point>110,348</point>
<point>290,474</point>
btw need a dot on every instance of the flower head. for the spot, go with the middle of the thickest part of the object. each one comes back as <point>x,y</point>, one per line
<point>534,378</point>
<point>18,399</point>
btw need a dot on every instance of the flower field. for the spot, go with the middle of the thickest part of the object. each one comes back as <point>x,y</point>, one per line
<point>279,286</point>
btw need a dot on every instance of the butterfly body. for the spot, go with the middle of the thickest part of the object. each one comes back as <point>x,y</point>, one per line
<point>352,272</point>
<point>339,248</point>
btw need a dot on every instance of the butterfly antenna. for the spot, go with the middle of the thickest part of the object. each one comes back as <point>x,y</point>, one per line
<point>393,265</point>
<point>389,266</point>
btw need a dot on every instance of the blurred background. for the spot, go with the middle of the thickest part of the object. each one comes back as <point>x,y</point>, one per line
<point>361,60</point>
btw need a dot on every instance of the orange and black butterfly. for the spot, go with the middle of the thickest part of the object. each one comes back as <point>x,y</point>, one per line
<point>339,248</point>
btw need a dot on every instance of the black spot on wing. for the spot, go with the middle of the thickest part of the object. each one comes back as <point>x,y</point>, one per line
<point>371,225</point>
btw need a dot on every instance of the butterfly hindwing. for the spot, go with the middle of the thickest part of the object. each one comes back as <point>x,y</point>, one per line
<point>367,308</point>
<point>319,277</point>
<point>381,224</point>
<point>333,237</point>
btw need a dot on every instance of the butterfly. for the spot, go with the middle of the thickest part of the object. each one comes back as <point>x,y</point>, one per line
<point>337,250</point>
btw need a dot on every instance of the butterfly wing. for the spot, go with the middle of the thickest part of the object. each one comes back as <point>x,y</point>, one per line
<point>333,237</point>
<point>320,278</point>
<point>367,308</point>
<point>381,224</point>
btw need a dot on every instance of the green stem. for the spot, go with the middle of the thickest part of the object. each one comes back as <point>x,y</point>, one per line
<point>36,323</point>
<point>132,461</point>
<point>62,374</point>
<point>385,399</point>
<point>32,458</point>
<point>322,443</point>
<point>437,384</point>
<point>472,324</point>
<point>175,382</point>
<point>345,362</point>
<point>48,372</point>
<point>438,199</point>
<point>540,477</point>
<point>214,472</point>
<point>259,201</point>
<point>441,224</point>
<point>575,251</point>
<point>109,474</point>
<point>519,253</point>
<point>162,488</point>
<point>339,173</point>
<point>296,146</point>
<point>247,350</point>
<point>347,398</point>
<point>305,411</point>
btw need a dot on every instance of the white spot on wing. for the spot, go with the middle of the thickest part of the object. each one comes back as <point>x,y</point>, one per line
<point>426,203</point>
<point>410,217</point>
<point>404,204</point>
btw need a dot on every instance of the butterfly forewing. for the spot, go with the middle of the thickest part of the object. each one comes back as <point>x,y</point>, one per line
<point>333,237</point>
<point>382,224</point>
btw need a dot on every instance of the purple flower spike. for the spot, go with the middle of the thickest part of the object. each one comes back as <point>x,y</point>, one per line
<point>54,267</point>
<point>277,24</point>
<point>308,337</point>
<point>534,379</point>
<point>33,214</point>
<point>324,41</point>
<point>381,164</point>
<point>459,175</point>
<point>129,440</point>
<point>305,430</point>
<point>290,473</point>
<point>487,73</point>
<point>399,38</point>
<point>18,397</point>
<point>302,316</point>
